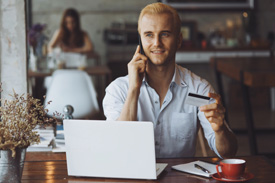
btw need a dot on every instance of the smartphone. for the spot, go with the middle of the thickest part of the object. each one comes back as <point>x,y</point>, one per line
<point>140,45</point>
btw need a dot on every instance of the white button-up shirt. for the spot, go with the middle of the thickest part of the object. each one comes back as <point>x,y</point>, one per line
<point>175,123</point>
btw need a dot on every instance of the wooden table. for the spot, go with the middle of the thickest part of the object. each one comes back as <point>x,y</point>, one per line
<point>95,70</point>
<point>250,72</point>
<point>50,167</point>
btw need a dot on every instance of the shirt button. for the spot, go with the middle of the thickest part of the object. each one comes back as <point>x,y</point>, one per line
<point>156,102</point>
<point>156,143</point>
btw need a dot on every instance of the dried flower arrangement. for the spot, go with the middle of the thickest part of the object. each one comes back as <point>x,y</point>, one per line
<point>19,116</point>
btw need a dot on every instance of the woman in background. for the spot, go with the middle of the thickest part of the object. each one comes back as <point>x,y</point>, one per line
<point>70,37</point>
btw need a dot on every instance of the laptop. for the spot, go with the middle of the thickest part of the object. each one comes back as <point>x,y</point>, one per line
<point>111,149</point>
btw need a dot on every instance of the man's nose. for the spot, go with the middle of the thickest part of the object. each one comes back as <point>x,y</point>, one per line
<point>157,41</point>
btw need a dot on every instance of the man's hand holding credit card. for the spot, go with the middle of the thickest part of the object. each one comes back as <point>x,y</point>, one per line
<point>213,111</point>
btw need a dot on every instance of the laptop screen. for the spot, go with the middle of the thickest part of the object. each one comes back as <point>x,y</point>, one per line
<point>114,149</point>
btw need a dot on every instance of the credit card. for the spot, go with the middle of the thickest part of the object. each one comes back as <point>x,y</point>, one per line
<point>197,100</point>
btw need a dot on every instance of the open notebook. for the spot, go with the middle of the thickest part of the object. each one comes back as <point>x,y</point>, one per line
<point>190,168</point>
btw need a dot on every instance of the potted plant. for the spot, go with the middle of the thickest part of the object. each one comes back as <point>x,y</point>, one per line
<point>19,117</point>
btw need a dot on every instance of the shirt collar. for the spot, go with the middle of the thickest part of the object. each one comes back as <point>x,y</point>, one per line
<point>176,78</point>
<point>144,80</point>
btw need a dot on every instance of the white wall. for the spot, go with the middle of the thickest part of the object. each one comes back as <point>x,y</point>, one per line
<point>13,47</point>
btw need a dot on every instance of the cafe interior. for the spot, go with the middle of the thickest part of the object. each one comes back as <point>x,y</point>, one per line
<point>230,43</point>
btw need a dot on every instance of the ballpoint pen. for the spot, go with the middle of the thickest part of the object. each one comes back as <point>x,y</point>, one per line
<point>201,168</point>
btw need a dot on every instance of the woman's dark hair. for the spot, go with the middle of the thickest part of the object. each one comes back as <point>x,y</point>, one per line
<point>75,38</point>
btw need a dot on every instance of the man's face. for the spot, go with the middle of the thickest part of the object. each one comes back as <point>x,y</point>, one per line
<point>159,38</point>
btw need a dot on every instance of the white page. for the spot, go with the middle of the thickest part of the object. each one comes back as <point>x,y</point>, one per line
<point>190,168</point>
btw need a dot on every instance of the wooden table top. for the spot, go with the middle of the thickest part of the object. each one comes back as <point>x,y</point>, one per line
<point>53,168</point>
<point>94,70</point>
<point>255,71</point>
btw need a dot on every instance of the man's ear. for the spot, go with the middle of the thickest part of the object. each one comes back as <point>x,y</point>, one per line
<point>179,40</point>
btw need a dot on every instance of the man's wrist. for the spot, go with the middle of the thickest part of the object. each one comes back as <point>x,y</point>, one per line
<point>134,91</point>
<point>221,130</point>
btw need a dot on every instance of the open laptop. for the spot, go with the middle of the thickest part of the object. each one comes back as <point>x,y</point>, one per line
<point>111,149</point>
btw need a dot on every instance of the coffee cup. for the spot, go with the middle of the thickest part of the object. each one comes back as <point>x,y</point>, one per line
<point>231,168</point>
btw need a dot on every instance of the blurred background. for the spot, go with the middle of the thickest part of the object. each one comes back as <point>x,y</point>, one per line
<point>211,29</point>
<point>232,26</point>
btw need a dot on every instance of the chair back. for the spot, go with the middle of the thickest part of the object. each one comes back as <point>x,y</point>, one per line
<point>75,88</point>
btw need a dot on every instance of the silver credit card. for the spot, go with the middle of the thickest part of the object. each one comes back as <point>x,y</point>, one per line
<point>197,100</point>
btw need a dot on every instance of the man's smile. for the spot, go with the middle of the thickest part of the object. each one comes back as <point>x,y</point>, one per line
<point>158,51</point>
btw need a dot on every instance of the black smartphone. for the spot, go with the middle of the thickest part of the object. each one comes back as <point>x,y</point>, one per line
<point>140,45</point>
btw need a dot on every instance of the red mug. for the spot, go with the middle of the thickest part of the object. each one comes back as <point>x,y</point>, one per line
<point>231,168</point>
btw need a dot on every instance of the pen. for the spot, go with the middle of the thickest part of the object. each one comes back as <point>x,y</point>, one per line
<point>201,168</point>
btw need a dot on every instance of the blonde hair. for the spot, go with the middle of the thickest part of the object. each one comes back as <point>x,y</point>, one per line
<point>160,8</point>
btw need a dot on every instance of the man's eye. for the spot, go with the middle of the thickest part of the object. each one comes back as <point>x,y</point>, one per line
<point>149,35</point>
<point>164,34</point>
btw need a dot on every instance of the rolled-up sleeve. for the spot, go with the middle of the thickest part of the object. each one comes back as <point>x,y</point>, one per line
<point>209,133</point>
<point>115,96</point>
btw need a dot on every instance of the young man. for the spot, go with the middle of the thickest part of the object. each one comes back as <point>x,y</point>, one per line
<point>156,88</point>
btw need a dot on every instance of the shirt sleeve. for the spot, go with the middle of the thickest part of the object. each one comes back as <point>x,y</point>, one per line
<point>114,99</point>
<point>209,133</point>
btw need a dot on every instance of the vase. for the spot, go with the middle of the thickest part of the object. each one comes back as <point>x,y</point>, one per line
<point>11,169</point>
<point>33,61</point>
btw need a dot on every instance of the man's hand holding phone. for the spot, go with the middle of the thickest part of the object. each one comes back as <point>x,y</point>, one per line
<point>137,69</point>
<point>136,72</point>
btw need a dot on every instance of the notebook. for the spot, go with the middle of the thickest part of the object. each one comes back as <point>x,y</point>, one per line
<point>190,168</point>
<point>111,149</point>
